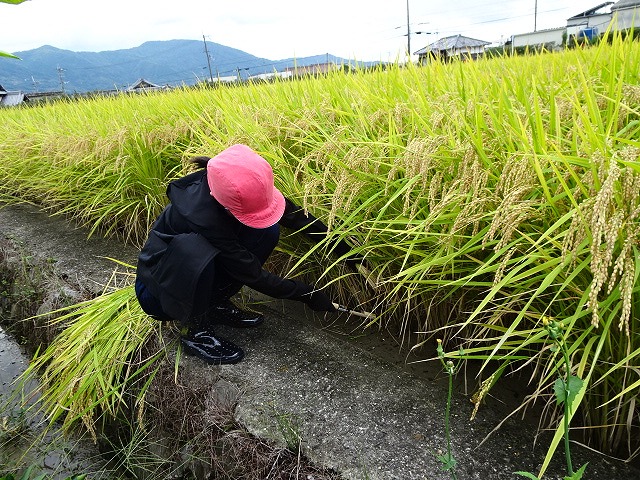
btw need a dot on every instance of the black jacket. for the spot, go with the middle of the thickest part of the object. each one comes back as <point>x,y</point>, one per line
<point>194,230</point>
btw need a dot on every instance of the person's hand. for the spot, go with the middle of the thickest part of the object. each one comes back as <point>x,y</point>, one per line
<point>318,301</point>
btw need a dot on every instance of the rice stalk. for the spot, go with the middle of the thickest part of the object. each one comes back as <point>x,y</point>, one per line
<point>89,368</point>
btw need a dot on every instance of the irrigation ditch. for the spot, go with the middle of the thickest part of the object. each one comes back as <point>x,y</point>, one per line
<point>311,400</point>
<point>24,439</point>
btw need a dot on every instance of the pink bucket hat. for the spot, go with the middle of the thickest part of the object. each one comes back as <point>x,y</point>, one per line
<point>242,182</point>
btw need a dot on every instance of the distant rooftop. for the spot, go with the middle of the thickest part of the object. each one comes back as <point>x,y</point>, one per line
<point>625,4</point>
<point>454,41</point>
<point>592,11</point>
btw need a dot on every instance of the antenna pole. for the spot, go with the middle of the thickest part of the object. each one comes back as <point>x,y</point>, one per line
<point>61,78</point>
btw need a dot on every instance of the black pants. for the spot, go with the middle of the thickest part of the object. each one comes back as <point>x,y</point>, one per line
<point>260,242</point>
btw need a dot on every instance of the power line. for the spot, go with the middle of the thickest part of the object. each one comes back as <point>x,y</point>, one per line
<point>460,27</point>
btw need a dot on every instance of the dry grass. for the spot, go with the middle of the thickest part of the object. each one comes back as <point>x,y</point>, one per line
<point>219,447</point>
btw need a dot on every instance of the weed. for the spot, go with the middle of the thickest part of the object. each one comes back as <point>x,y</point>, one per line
<point>132,450</point>
<point>12,425</point>
<point>566,388</point>
<point>447,459</point>
<point>289,429</point>
<point>27,475</point>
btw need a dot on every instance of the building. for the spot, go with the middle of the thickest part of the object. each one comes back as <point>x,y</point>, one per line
<point>272,75</point>
<point>550,38</point>
<point>590,23</point>
<point>225,79</point>
<point>315,69</point>
<point>625,14</point>
<point>453,47</point>
<point>12,98</point>
<point>143,85</point>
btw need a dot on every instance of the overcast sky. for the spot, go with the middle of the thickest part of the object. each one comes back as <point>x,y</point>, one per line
<point>276,29</point>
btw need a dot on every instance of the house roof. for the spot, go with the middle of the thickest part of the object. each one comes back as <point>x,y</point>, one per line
<point>625,4</point>
<point>453,42</point>
<point>591,12</point>
<point>143,84</point>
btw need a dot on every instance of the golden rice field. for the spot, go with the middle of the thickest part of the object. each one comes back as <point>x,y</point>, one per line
<point>485,196</point>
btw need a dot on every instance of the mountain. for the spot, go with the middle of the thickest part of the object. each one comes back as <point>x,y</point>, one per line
<point>170,62</point>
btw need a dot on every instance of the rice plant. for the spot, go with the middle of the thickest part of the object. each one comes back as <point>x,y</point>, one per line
<point>93,365</point>
<point>484,196</point>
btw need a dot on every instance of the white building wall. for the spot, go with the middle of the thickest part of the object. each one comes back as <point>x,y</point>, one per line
<point>227,79</point>
<point>457,52</point>
<point>625,19</point>
<point>541,37</point>
<point>600,21</point>
<point>268,76</point>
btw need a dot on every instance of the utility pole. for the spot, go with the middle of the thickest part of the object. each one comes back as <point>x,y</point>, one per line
<point>206,51</point>
<point>238,70</point>
<point>408,33</point>
<point>535,17</point>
